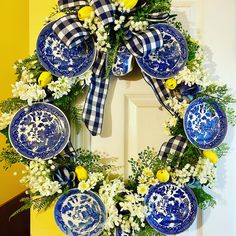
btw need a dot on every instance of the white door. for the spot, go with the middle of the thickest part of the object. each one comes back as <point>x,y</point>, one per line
<point>133,118</point>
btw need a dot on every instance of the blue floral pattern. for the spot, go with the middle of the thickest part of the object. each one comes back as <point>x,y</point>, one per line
<point>39,131</point>
<point>60,60</point>
<point>205,123</point>
<point>80,214</point>
<point>170,58</point>
<point>171,209</point>
<point>123,63</point>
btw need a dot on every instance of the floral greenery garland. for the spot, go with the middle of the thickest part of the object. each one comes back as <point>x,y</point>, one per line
<point>123,199</point>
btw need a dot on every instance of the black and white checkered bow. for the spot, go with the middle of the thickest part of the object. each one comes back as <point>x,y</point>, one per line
<point>105,10</point>
<point>64,4</point>
<point>70,30</point>
<point>142,44</point>
<point>176,145</point>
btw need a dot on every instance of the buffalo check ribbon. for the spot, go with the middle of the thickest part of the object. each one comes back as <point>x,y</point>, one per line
<point>176,145</point>
<point>70,31</point>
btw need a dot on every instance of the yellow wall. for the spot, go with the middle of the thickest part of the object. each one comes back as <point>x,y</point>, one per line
<point>14,43</point>
<point>41,223</point>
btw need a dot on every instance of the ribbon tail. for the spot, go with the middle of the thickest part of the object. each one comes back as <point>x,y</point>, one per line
<point>176,145</point>
<point>160,91</point>
<point>94,104</point>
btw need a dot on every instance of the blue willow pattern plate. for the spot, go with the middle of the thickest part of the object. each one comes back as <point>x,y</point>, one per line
<point>170,58</point>
<point>120,232</point>
<point>123,63</point>
<point>61,60</point>
<point>205,123</point>
<point>80,214</point>
<point>39,131</point>
<point>170,209</point>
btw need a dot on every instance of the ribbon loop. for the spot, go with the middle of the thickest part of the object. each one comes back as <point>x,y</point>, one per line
<point>105,10</point>
<point>63,4</point>
<point>142,44</point>
<point>70,30</point>
<point>176,145</point>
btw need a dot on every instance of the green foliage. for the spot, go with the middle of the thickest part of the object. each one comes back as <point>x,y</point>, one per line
<point>147,158</point>
<point>221,95</point>
<point>91,161</point>
<point>30,64</point>
<point>149,231</point>
<point>178,129</point>
<point>11,105</point>
<point>190,156</point>
<point>67,105</point>
<point>10,156</point>
<point>222,150</point>
<point>152,6</point>
<point>204,199</point>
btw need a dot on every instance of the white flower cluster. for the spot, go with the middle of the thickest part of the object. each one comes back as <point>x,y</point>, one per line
<point>107,193</point>
<point>138,25</point>
<point>27,76</point>
<point>119,22</point>
<point>134,204</point>
<point>171,122</point>
<point>120,6</point>
<point>5,120</point>
<point>61,87</point>
<point>204,172</point>
<point>91,182</point>
<point>146,179</point>
<point>85,78</point>
<point>188,77</point>
<point>177,106</point>
<point>38,180</point>
<point>28,92</point>
<point>95,25</point>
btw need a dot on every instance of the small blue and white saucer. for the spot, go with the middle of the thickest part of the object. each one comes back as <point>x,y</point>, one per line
<point>60,60</point>
<point>80,214</point>
<point>170,58</point>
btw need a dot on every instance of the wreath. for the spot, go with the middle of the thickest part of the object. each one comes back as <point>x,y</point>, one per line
<point>83,44</point>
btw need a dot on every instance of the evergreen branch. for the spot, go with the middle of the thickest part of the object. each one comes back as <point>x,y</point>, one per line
<point>204,199</point>
<point>11,104</point>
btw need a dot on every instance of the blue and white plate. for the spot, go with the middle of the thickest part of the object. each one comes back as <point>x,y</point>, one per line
<point>39,131</point>
<point>123,63</point>
<point>120,232</point>
<point>170,58</point>
<point>80,214</point>
<point>205,123</point>
<point>60,60</point>
<point>170,209</point>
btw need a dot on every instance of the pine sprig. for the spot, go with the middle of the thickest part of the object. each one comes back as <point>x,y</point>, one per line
<point>43,203</point>
<point>204,199</point>
<point>11,104</point>
<point>222,150</point>
<point>152,6</point>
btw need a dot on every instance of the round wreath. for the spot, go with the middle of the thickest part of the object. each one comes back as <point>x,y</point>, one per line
<point>83,48</point>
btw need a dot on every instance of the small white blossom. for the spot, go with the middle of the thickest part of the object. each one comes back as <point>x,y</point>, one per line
<point>5,120</point>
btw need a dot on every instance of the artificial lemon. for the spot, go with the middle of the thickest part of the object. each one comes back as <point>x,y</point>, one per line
<point>81,172</point>
<point>129,4</point>
<point>171,83</point>
<point>44,79</point>
<point>85,12</point>
<point>163,175</point>
<point>211,156</point>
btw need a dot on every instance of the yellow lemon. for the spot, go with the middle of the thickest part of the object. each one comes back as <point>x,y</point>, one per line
<point>211,156</point>
<point>171,84</point>
<point>81,172</point>
<point>129,4</point>
<point>163,175</point>
<point>85,12</point>
<point>44,79</point>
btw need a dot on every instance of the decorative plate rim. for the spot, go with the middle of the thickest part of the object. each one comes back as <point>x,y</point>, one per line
<point>89,192</point>
<point>195,205</point>
<point>226,124</point>
<point>62,147</point>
